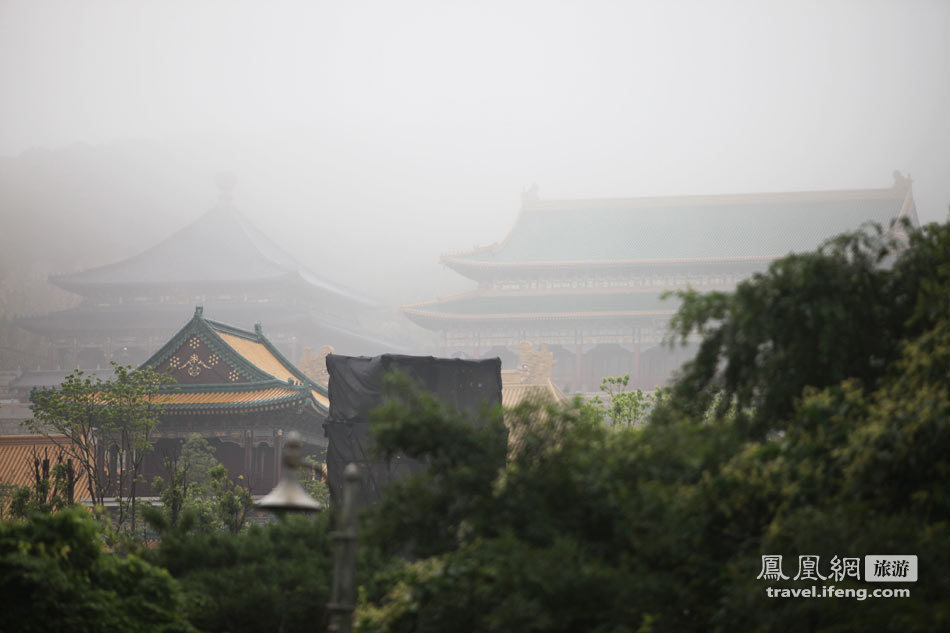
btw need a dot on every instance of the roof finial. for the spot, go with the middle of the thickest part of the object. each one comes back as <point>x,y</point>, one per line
<point>226,181</point>
<point>258,329</point>
<point>199,312</point>
<point>901,181</point>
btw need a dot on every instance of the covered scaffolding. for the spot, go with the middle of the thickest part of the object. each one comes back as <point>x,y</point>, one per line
<point>357,386</point>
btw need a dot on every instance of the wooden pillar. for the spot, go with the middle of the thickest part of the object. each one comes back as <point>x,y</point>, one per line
<point>113,478</point>
<point>636,357</point>
<point>259,461</point>
<point>278,453</point>
<point>100,458</point>
<point>578,360</point>
<point>249,459</point>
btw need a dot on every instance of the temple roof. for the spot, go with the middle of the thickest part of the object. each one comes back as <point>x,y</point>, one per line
<point>539,304</point>
<point>17,453</point>
<point>218,368</point>
<point>162,319</point>
<point>684,228</point>
<point>221,247</point>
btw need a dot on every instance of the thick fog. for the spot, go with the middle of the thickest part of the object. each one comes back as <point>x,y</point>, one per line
<point>369,137</point>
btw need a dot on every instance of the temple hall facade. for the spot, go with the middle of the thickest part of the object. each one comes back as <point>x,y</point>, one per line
<point>238,391</point>
<point>584,277</point>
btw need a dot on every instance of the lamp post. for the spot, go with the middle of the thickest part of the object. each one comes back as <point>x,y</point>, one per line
<point>288,496</point>
<point>343,598</point>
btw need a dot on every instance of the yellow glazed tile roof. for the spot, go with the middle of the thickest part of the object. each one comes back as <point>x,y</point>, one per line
<point>259,355</point>
<point>235,397</point>
<point>322,399</point>
<point>16,459</point>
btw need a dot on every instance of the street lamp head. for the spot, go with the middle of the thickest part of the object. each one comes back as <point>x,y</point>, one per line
<point>288,495</point>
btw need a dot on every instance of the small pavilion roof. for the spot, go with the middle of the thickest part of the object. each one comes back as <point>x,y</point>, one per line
<point>222,247</point>
<point>219,368</point>
<point>683,228</point>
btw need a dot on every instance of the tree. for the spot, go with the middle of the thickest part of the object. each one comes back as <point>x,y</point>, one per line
<point>662,527</point>
<point>199,487</point>
<point>187,488</point>
<point>813,319</point>
<point>424,514</point>
<point>7,492</point>
<point>624,407</point>
<point>266,578</point>
<point>232,499</point>
<point>104,421</point>
<point>58,577</point>
<point>52,490</point>
<point>311,478</point>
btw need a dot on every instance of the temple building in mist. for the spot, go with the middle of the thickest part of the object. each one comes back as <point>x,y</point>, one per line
<point>234,388</point>
<point>584,277</point>
<point>220,261</point>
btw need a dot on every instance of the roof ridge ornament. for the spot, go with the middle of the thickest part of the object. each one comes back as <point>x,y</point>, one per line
<point>199,312</point>
<point>902,182</point>
<point>536,365</point>
<point>315,365</point>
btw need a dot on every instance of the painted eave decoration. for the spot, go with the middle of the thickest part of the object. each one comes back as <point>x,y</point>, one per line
<point>220,368</point>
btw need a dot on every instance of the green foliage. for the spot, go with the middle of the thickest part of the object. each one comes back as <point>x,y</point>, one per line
<point>52,488</point>
<point>813,319</point>
<point>232,499</point>
<point>270,578</point>
<point>7,492</point>
<point>199,488</point>
<point>57,577</point>
<point>318,489</point>
<point>187,488</point>
<point>112,415</point>
<point>626,408</point>
<point>827,432</point>
<point>463,459</point>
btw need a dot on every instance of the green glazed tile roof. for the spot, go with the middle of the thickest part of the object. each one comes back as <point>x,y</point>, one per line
<point>753,225</point>
<point>220,247</point>
<point>260,376</point>
<point>555,303</point>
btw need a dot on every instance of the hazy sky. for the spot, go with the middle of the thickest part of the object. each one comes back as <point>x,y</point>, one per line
<point>414,126</point>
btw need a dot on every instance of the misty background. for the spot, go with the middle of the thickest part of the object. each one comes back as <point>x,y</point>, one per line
<point>368,138</point>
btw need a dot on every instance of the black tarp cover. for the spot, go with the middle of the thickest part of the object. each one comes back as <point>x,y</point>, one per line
<point>357,387</point>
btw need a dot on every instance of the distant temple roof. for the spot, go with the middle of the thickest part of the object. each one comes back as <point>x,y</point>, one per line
<point>220,368</point>
<point>221,247</point>
<point>683,228</point>
<point>163,319</point>
<point>679,237</point>
<point>481,305</point>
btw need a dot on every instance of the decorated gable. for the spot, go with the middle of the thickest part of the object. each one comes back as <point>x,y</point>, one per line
<point>194,362</point>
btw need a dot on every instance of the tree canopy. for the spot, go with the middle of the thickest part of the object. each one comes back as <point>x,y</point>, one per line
<point>815,420</point>
<point>114,417</point>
